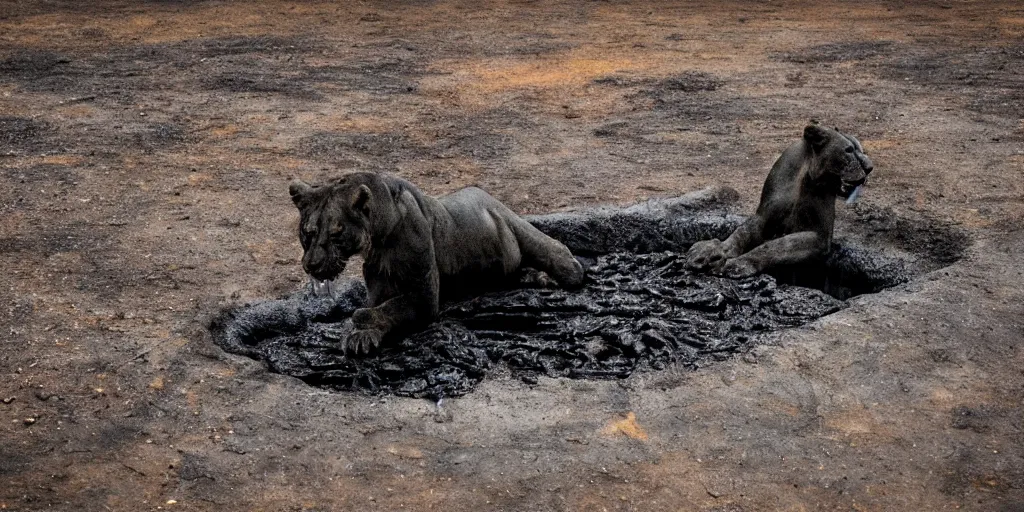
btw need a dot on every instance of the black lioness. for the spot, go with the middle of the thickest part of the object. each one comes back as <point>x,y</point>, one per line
<point>794,220</point>
<point>415,247</point>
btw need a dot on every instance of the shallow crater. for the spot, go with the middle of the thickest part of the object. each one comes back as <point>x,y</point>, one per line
<point>640,308</point>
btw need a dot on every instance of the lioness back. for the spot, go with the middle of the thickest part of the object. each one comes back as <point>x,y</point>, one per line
<point>477,235</point>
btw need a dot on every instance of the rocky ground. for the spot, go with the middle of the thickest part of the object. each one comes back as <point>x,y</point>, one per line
<point>145,150</point>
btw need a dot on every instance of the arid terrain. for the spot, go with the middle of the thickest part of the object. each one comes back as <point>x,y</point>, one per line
<point>145,151</point>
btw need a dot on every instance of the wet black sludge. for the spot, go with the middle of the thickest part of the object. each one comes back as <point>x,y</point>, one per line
<point>640,309</point>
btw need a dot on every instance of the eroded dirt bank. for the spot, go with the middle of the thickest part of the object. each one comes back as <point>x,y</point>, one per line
<point>145,150</point>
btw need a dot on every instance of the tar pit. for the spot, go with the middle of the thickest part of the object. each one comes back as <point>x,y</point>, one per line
<point>640,308</point>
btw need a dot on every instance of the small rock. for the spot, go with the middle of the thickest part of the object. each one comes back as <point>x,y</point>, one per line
<point>9,399</point>
<point>29,421</point>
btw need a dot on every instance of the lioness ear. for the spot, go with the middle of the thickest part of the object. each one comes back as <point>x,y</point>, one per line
<point>361,200</point>
<point>816,136</point>
<point>297,189</point>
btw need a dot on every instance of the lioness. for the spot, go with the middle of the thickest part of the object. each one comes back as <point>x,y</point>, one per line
<point>794,220</point>
<point>415,247</point>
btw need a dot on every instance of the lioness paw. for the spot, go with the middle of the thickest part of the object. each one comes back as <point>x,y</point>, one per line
<point>532,278</point>
<point>363,341</point>
<point>738,267</point>
<point>364,318</point>
<point>706,255</point>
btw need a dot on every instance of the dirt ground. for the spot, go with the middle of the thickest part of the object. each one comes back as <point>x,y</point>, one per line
<point>145,150</point>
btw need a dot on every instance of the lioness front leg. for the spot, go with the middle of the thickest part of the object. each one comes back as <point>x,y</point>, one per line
<point>711,255</point>
<point>373,324</point>
<point>789,249</point>
<point>399,306</point>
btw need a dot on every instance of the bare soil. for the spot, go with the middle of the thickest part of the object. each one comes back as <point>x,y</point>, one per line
<point>145,149</point>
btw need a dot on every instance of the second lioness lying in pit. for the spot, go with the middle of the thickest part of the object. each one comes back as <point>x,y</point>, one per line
<point>417,248</point>
<point>794,220</point>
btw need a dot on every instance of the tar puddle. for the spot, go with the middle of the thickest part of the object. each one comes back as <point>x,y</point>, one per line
<point>640,308</point>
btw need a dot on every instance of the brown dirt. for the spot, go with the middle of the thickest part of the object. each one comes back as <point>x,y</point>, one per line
<point>145,149</point>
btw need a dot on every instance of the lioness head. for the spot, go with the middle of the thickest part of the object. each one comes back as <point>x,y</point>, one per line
<point>334,221</point>
<point>838,160</point>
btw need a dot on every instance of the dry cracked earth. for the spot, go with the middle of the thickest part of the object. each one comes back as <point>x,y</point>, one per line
<point>145,150</point>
